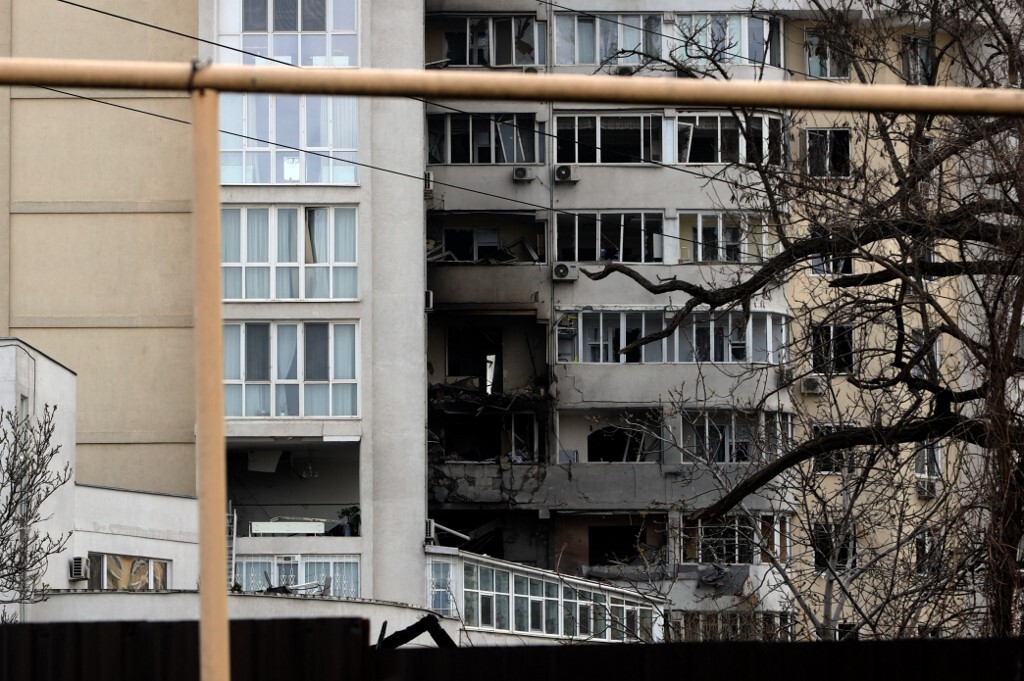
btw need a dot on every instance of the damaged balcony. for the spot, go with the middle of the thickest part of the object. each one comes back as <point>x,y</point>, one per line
<point>487,261</point>
<point>296,516</point>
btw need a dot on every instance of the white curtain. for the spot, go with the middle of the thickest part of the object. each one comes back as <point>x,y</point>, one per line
<point>345,278</point>
<point>287,352</point>
<point>344,395</point>
<point>287,252</point>
<point>257,250</point>
<point>231,252</point>
<point>344,351</point>
<point>344,235</point>
<point>317,398</point>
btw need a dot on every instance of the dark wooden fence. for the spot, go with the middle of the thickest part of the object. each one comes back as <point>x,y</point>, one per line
<point>336,649</point>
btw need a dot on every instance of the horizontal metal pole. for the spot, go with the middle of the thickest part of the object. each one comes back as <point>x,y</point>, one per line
<point>498,85</point>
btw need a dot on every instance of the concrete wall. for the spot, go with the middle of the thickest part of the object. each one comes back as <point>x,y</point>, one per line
<point>137,524</point>
<point>99,241</point>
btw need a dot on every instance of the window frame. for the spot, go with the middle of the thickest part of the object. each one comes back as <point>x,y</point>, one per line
<point>274,562</point>
<point>650,45</point>
<point>252,141</point>
<point>739,47</point>
<point>520,123</point>
<point>232,32</point>
<point>766,532</point>
<point>822,530</point>
<point>823,355</point>
<point>274,382</point>
<point>828,163</point>
<point>919,59</point>
<point>771,150</point>
<point>656,243</point>
<point>652,143</point>
<point>274,265</point>
<point>493,59</point>
<point>823,55</point>
<point>928,551</point>
<point>98,577</point>
<point>835,462</point>
<point>746,249</point>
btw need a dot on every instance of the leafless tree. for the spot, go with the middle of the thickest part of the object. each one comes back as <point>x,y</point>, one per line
<point>27,480</point>
<point>900,241</point>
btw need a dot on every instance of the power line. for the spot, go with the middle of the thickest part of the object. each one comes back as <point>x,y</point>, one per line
<point>488,117</point>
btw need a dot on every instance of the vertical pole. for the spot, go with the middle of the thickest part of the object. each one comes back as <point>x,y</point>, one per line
<point>213,598</point>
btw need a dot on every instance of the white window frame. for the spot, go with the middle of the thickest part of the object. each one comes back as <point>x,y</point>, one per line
<point>274,383</point>
<point>233,33</point>
<point>151,562</point>
<point>252,152</point>
<point>442,586</point>
<point>650,133</point>
<point>473,51</point>
<point>490,125</point>
<point>602,248</point>
<point>274,265</point>
<point>648,28</point>
<point>914,341</point>
<point>733,433</point>
<point>272,564</point>
<point>772,150</point>
<point>695,35</point>
<point>746,248</point>
<point>753,543</point>
<point>833,65</point>
<point>829,135</point>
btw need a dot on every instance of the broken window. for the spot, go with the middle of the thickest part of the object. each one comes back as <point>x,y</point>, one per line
<point>835,546</point>
<point>127,573</point>
<point>918,60</point>
<point>609,139</point>
<point>613,543</point>
<point>835,461</point>
<point>728,237</point>
<point>492,41</point>
<point>732,436</point>
<point>266,375</point>
<point>831,349</point>
<point>620,444</point>
<point>475,352</point>
<point>489,436</point>
<point>828,152</point>
<point>823,61</point>
<point>737,539</point>
<point>928,551</point>
<point>485,138</point>
<point>261,247</point>
<point>622,237</point>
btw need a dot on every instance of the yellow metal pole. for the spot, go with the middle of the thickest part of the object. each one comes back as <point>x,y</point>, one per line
<point>805,95</point>
<point>213,547</point>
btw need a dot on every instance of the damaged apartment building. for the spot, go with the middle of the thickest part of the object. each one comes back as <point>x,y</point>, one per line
<point>546,444</point>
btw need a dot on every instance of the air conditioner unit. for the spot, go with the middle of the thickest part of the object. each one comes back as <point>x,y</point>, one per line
<point>668,18</point>
<point>812,385</point>
<point>565,271</point>
<point>785,375</point>
<point>626,70</point>
<point>428,184</point>
<point>428,302</point>
<point>78,569</point>
<point>430,534</point>
<point>927,488</point>
<point>523,174</point>
<point>567,173</point>
<point>532,69</point>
